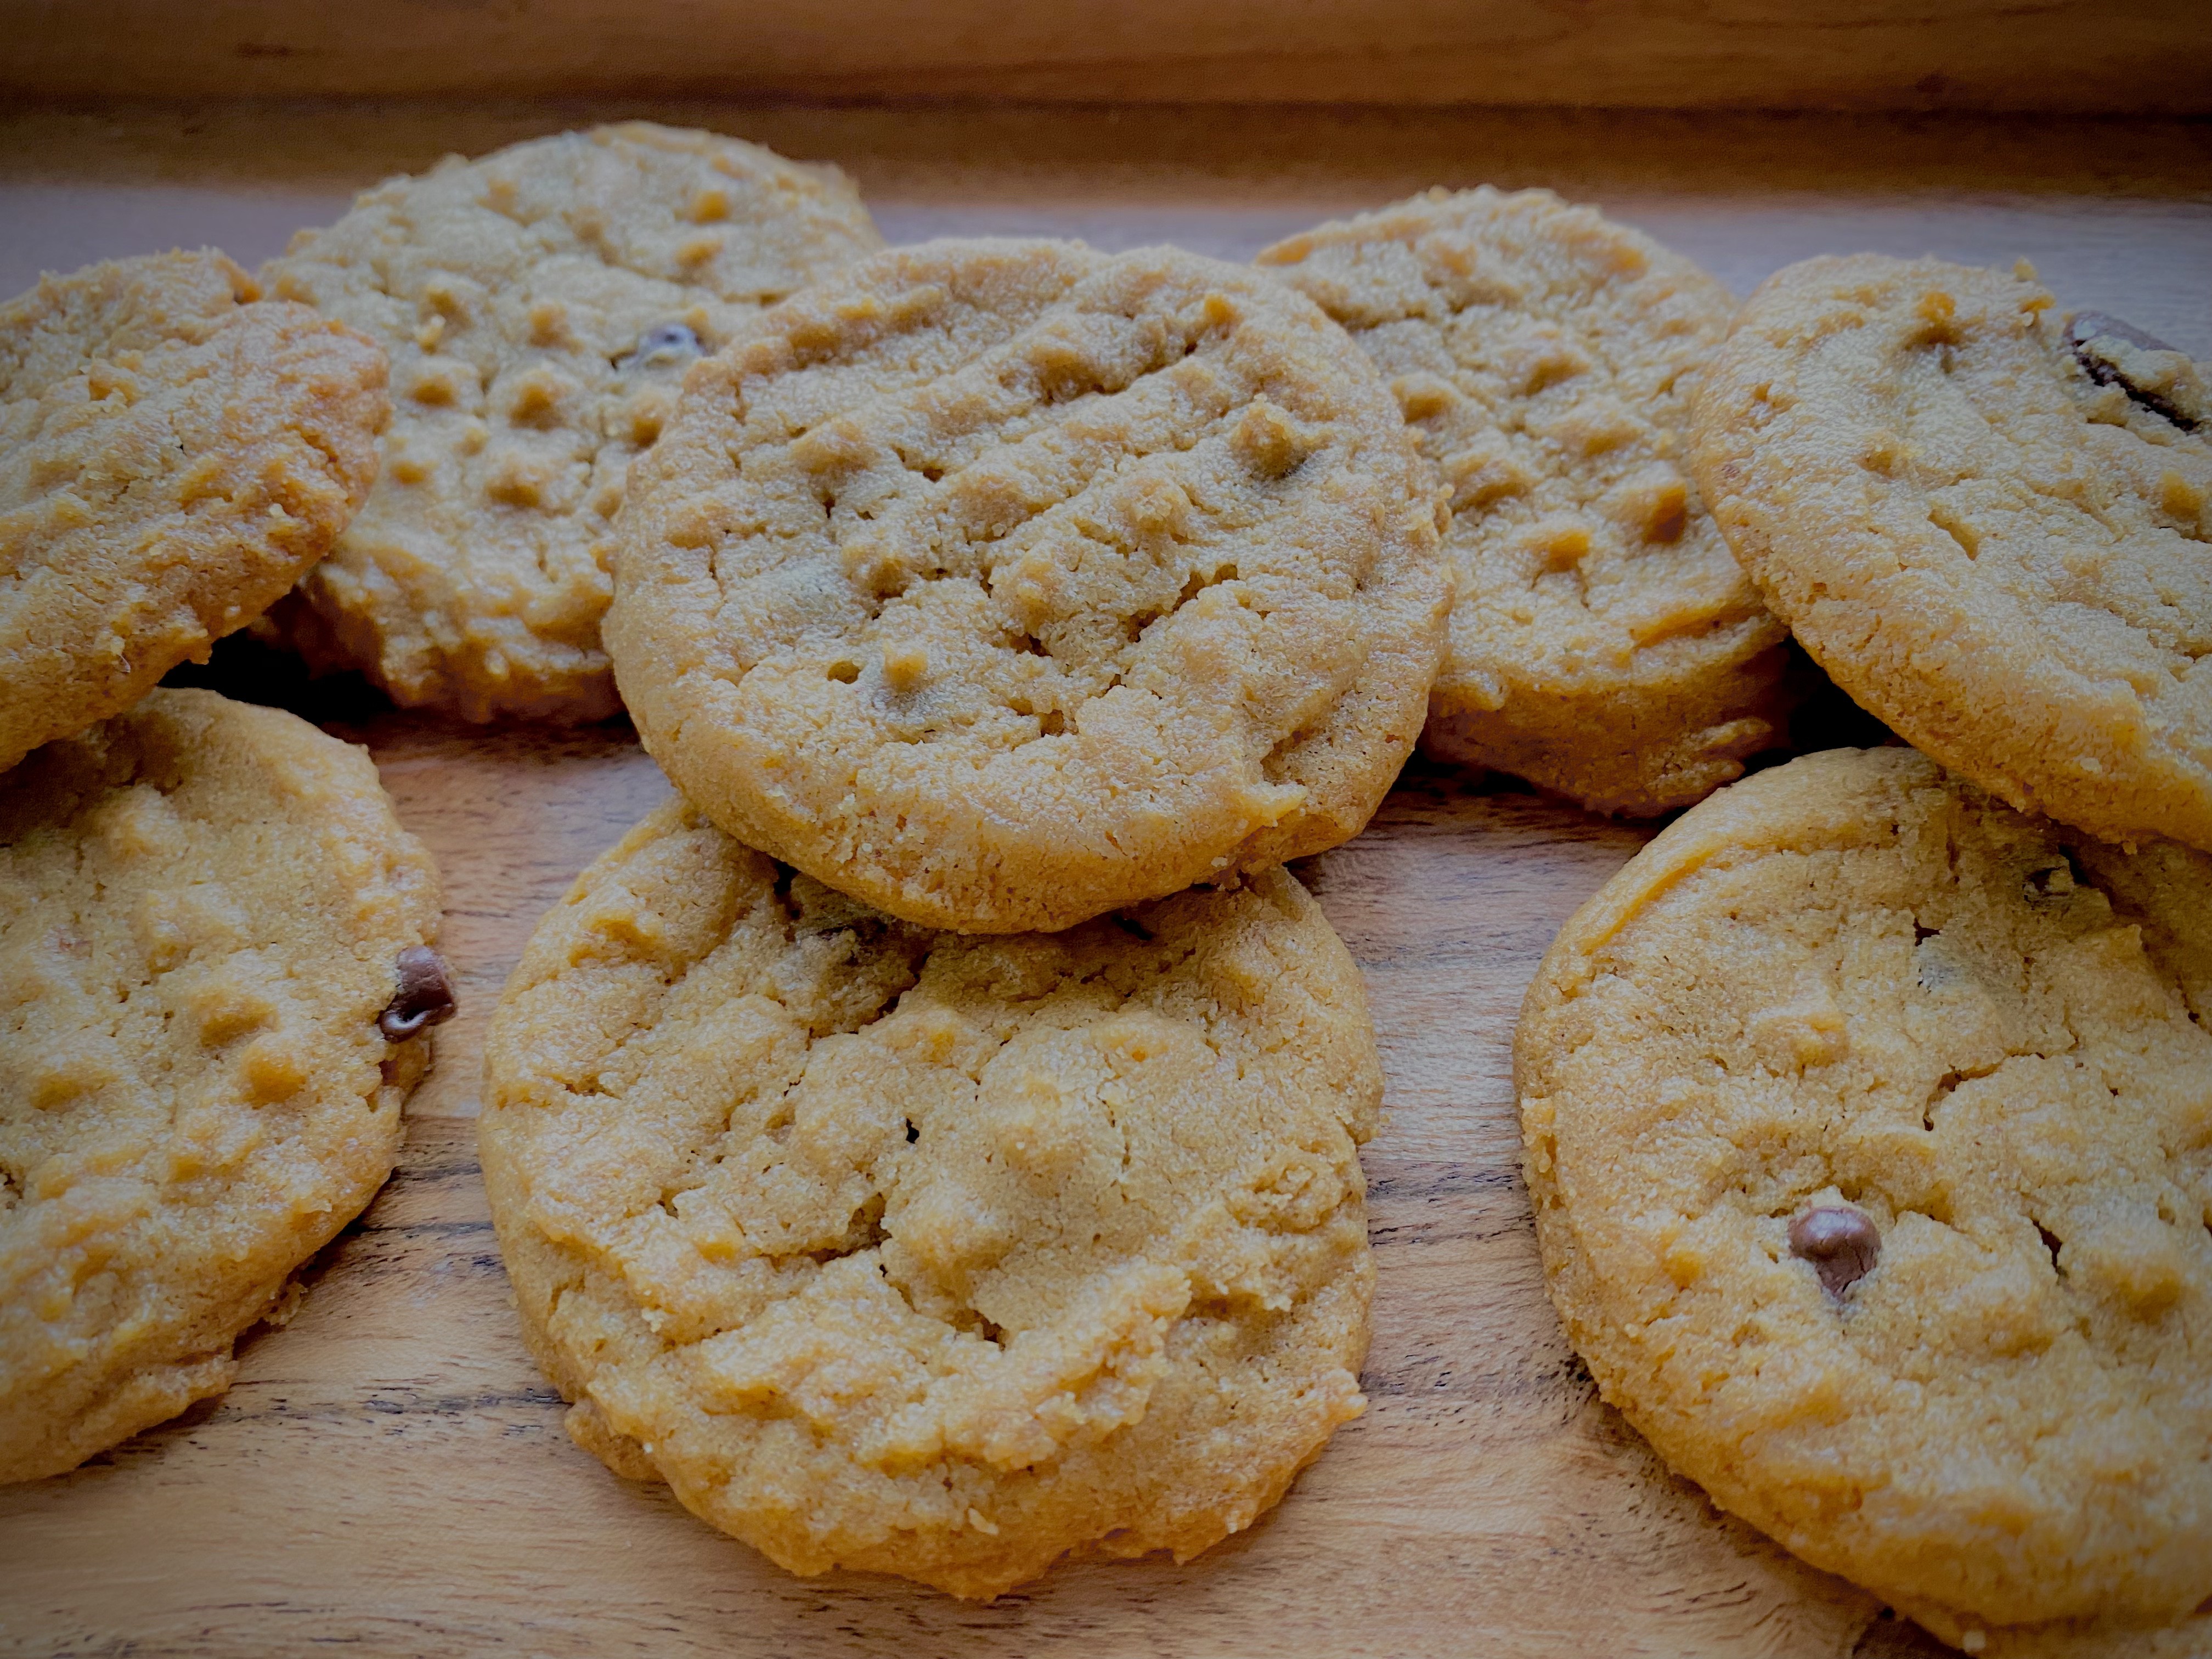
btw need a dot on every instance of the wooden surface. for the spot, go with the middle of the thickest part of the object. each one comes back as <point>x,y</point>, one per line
<point>2131,57</point>
<point>389,1473</point>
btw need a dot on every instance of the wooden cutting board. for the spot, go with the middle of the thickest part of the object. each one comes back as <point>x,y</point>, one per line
<point>389,1473</point>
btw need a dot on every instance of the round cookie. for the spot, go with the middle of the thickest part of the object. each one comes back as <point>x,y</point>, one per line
<point>214,964</point>
<point>1604,643</point>
<point>1990,526</point>
<point>174,451</point>
<point>925,1253</point>
<point>1868,1125</point>
<point>1002,583</point>
<point>540,305</point>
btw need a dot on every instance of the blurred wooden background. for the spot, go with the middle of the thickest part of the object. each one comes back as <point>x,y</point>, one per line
<point>2132,56</point>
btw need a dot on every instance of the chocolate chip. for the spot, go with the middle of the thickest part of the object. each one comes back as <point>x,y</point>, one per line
<point>1839,1241</point>
<point>662,346</point>
<point>2090,326</point>
<point>425,996</point>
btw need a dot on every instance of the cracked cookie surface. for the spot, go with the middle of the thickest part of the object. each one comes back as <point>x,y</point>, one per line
<point>1857,986</point>
<point>1964,514</point>
<point>1003,583</point>
<point>202,904</point>
<point>540,305</point>
<point>929,1253</point>
<point>174,451</point>
<point>1604,643</point>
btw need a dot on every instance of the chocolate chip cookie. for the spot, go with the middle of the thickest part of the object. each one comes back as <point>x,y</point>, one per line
<point>1868,1125</point>
<point>215,971</point>
<point>540,306</point>
<point>174,451</point>
<point>1003,583</point>
<point>1604,643</point>
<point>932,1255</point>
<point>1991,524</point>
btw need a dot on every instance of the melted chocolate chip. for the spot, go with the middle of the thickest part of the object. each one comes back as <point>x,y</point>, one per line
<point>1839,1241</point>
<point>662,346</point>
<point>425,996</point>
<point>2091,325</point>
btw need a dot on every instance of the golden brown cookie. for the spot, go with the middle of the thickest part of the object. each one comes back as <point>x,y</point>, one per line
<point>1868,1125</point>
<point>214,971</point>
<point>540,305</point>
<point>174,451</point>
<point>1603,642</point>
<point>1989,523</point>
<point>925,1253</point>
<point>1000,584</point>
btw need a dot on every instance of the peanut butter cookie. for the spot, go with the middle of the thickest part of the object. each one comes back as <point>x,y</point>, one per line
<point>1869,1129</point>
<point>1000,584</point>
<point>1991,525</point>
<point>214,968</point>
<point>1603,642</point>
<point>540,306</point>
<point>174,451</point>
<point>933,1255</point>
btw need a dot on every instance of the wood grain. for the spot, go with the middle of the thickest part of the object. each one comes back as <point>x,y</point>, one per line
<point>2132,56</point>
<point>390,1472</point>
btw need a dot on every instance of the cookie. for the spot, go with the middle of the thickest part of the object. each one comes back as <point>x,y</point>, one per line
<point>1002,583</point>
<point>1868,1125</point>
<point>1603,642</point>
<point>925,1253</point>
<point>174,451</point>
<point>214,968</point>
<point>1987,524</point>
<point>540,305</point>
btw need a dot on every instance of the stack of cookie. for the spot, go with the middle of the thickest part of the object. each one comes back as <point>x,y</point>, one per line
<point>1866,1111</point>
<point>979,1182</point>
<point>931,1145</point>
<point>215,936</point>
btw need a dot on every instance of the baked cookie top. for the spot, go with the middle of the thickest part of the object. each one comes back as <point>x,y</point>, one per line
<point>540,305</point>
<point>1603,642</point>
<point>1002,583</point>
<point>1869,1129</point>
<point>206,909</point>
<point>1988,524</point>
<point>174,451</point>
<point>933,1254</point>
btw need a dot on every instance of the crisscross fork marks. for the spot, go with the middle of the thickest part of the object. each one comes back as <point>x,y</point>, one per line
<point>1058,547</point>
